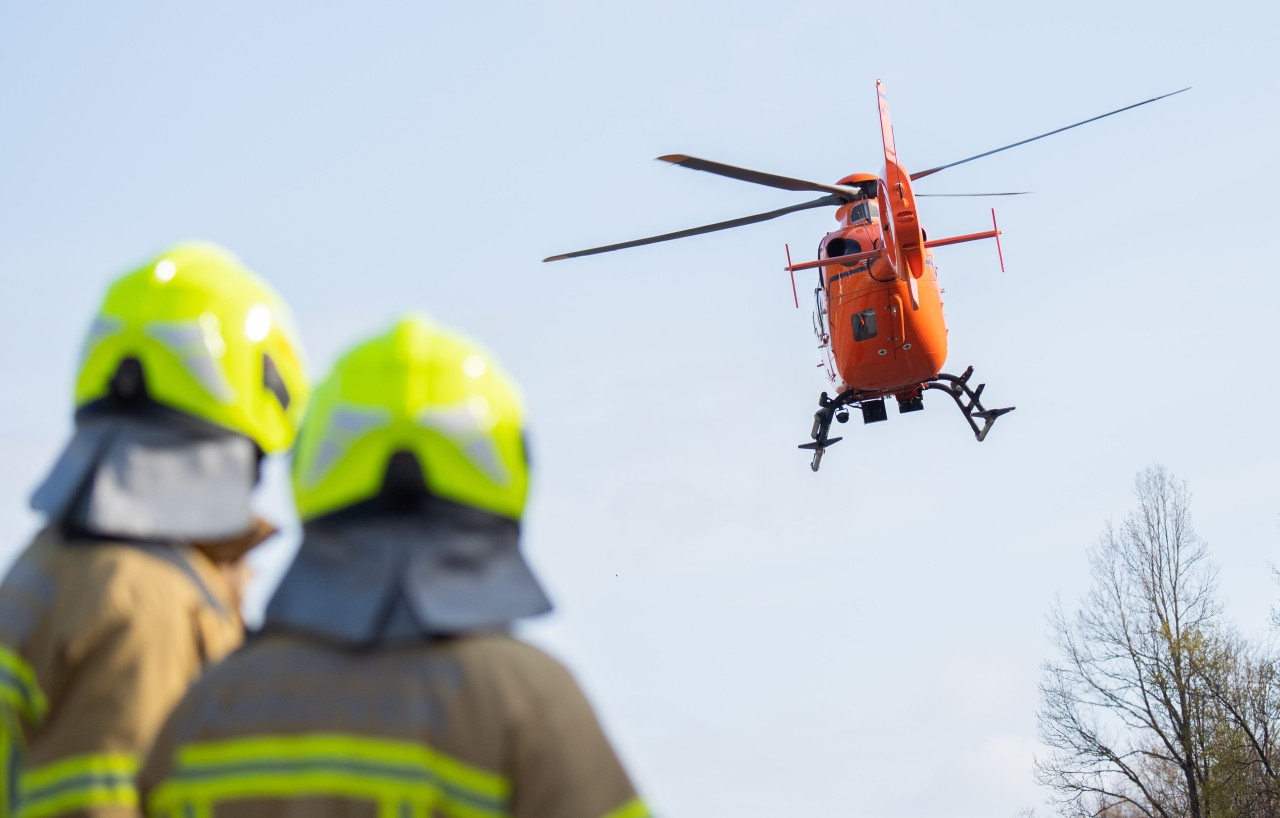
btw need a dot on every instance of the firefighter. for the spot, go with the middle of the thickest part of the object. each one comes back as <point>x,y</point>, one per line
<point>384,681</point>
<point>190,372</point>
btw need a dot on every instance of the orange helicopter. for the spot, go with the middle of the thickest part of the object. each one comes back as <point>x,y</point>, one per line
<point>878,309</point>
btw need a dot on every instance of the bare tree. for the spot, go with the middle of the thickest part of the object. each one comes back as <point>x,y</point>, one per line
<point>1126,709</point>
<point>1243,681</point>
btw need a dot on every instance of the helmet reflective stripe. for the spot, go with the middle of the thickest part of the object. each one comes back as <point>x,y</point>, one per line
<point>103,327</point>
<point>197,344</point>
<point>469,426</point>
<point>347,426</point>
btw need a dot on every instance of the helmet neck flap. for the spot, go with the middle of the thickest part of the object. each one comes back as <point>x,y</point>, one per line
<point>149,479</point>
<point>366,579</point>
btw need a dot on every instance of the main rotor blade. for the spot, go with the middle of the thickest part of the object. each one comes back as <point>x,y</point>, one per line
<point>710,228</point>
<point>757,177</point>
<point>1013,193</point>
<point>930,171</point>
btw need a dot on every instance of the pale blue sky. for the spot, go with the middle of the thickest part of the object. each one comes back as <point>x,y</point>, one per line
<point>760,640</point>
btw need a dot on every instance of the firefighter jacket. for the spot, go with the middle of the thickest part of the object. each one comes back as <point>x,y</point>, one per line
<point>476,726</point>
<point>98,642</point>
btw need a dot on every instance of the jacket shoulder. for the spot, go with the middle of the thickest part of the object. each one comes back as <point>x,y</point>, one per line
<point>512,669</point>
<point>123,579</point>
<point>495,650</point>
<point>92,585</point>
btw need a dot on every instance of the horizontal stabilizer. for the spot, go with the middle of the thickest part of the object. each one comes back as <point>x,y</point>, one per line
<point>987,234</point>
<point>848,261</point>
<point>831,441</point>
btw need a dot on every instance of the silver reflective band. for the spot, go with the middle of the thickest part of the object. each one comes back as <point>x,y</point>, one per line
<point>346,427</point>
<point>469,427</point>
<point>103,327</point>
<point>198,344</point>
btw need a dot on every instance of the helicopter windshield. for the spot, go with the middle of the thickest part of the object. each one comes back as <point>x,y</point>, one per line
<point>863,211</point>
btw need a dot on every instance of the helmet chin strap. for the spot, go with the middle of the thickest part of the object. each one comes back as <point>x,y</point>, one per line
<point>138,478</point>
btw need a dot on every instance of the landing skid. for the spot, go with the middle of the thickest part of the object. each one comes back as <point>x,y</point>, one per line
<point>872,404</point>
<point>958,389</point>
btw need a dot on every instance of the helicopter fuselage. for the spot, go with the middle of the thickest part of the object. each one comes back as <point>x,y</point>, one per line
<point>884,334</point>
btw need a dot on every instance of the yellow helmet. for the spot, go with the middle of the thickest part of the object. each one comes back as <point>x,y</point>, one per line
<point>197,332</point>
<point>422,390</point>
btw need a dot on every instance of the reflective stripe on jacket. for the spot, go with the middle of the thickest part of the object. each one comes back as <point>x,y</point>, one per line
<point>98,642</point>
<point>469,727</point>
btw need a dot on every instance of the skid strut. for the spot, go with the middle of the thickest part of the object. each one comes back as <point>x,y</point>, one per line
<point>968,400</point>
<point>821,426</point>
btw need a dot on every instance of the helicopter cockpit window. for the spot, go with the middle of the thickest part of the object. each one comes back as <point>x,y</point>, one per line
<point>864,325</point>
<point>873,209</point>
<point>859,213</point>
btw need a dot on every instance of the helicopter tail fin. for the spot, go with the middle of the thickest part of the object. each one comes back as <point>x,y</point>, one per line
<point>886,128</point>
<point>903,239</point>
